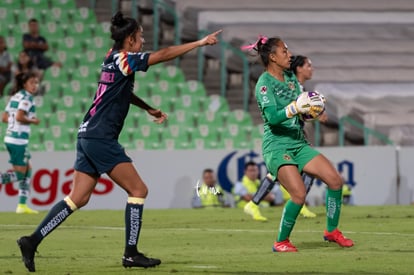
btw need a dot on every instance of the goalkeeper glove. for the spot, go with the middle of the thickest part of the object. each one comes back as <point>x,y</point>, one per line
<point>296,107</point>
<point>300,106</point>
<point>291,110</point>
<point>305,104</point>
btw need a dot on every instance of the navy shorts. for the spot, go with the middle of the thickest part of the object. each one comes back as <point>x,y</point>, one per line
<point>98,156</point>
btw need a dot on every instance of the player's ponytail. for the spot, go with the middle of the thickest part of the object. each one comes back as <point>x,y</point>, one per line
<point>297,61</point>
<point>121,28</point>
<point>264,47</point>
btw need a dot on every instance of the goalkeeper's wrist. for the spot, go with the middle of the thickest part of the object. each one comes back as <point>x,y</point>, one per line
<point>291,110</point>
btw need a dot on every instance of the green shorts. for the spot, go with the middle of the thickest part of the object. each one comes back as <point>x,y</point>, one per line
<point>298,156</point>
<point>19,154</point>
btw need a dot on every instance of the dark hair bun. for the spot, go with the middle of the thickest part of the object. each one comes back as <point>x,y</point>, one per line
<point>118,19</point>
<point>121,28</point>
<point>20,77</point>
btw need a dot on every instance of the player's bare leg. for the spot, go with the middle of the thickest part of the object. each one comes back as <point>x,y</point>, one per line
<point>83,185</point>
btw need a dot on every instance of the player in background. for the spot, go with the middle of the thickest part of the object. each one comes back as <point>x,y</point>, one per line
<point>247,186</point>
<point>301,66</point>
<point>98,150</point>
<point>19,114</point>
<point>286,151</point>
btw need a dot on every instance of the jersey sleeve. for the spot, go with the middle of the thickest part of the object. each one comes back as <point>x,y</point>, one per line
<point>7,108</point>
<point>129,63</point>
<point>273,112</point>
<point>25,105</point>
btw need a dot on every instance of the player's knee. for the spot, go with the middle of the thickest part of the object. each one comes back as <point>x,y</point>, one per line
<point>335,182</point>
<point>298,200</point>
<point>298,197</point>
<point>80,202</point>
<point>144,192</point>
<point>140,191</point>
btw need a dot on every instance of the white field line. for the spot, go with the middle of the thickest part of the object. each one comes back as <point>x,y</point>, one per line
<point>222,230</point>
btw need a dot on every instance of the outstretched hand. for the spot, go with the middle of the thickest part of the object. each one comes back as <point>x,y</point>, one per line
<point>160,116</point>
<point>210,39</point>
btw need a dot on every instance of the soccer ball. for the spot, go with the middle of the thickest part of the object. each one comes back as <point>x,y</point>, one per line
<point>313,98</point>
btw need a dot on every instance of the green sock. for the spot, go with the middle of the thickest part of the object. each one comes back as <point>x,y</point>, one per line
<point>24,187</point>
<point>333,208</point>
<point>290,213</point>
<point>22,197</point>
<point>24,190</point>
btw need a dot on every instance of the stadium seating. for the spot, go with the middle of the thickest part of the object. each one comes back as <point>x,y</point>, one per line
<point>171,74</point>
<point>12,4</point>
<point>79,42</point>
<point>357,43</point>
<point>192,87</point>
<point>64,4</point>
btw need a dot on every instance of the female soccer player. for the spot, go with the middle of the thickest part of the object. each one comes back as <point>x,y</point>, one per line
<point>301,66</point>
<point>285,149</point>
<point>19,114</point>
<point>98,150</point>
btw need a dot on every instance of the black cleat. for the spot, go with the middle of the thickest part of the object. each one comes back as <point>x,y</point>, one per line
<point>139,261</point>
<point>28,250</point>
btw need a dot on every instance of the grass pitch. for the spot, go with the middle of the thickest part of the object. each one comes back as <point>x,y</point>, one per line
<point>218,241</point>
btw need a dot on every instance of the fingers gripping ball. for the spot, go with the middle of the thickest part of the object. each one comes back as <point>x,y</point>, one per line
<point>308,105</point>
<point>313,104</point>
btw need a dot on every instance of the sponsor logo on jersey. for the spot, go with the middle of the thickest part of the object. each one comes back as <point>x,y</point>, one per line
<point>109,66</point>
<point>291,85</point>
<point>263,90</point>
<point>83,126</point>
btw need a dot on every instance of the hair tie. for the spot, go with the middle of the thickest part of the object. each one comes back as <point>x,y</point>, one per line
<point>263,39</point>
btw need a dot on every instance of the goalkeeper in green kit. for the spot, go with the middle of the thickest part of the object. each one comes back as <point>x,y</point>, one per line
<point>285,149</point>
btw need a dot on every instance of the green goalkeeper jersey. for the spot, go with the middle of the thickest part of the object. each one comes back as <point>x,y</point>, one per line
<point>272,97</point>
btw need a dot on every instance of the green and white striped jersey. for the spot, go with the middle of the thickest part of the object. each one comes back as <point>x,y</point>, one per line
<point>17,132</point>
